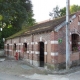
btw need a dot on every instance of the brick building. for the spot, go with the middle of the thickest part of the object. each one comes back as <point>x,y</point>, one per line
<point>44,44</point>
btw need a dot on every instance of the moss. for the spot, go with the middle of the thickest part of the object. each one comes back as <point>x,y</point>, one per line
<point>51,67</point>
<point>39,27</point>
<point>19,33</point>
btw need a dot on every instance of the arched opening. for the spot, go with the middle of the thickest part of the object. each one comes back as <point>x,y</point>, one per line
<point>75,40</point>
<point>25,46</point>
<point>41,58</point>
<point>14,46</point>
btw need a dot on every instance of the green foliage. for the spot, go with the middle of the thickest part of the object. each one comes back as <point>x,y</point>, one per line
<point>62,12</point>
<point>6,32</point>
<point>29,21</point>
<point>74,8</point>
<point>15,12</point>
<point>1,17</point>
<point>55,13</point>
<point>14,15</point>
<point>9,26</point>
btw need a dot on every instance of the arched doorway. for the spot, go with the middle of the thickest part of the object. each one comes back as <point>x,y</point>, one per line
<point>24,50</point>
<point>41,57</point>
<point>14,46</point>
<point>14,49</point>
<point>75,40</point>
<point>25,46</point>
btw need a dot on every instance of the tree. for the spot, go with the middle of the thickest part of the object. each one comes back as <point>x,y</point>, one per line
<point>29,21</point>
<point>74,8</point>
<point>55,13</point>
<point>62,12</point>
<point>15,12</point>
<point>13,15</point>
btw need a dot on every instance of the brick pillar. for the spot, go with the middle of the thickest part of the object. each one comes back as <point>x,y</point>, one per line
<point>54,53</point>
<point>45,51</point>
<point>48,58</point>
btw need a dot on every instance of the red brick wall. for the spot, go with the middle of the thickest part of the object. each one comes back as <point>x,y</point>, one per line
<point>74,29</point>
<point>8,51</point>
<point>54,52</point>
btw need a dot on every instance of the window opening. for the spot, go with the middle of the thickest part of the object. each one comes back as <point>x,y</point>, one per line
<point>75,39</point>
<point>25,46</point>
<point>14,47</point>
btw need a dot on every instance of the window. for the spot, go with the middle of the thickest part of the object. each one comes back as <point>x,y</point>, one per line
<point>25,47</point>
<point>14,46</point>
<point>8,46</point>
<point>75,40</point>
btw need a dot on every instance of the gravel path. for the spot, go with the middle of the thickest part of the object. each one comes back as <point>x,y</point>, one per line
<point>23,69</point>
<point>18,67</point>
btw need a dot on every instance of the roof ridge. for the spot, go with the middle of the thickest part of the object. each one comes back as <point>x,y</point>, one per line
<point>44,21</point>
<point>40,27</point>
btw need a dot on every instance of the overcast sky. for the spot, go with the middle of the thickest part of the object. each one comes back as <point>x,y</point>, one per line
<point>41,8</point>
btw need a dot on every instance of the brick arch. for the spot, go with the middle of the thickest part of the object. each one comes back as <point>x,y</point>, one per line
<point>75,33</point>
<point>41,39</point>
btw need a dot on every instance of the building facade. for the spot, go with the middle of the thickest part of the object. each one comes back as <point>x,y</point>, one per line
<point>44,44</point>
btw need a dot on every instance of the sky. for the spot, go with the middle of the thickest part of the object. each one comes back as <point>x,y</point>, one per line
<point>41,8</point>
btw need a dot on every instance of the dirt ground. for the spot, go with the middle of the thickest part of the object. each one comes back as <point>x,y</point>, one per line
<point>11,66</point>
<point>25,70</point>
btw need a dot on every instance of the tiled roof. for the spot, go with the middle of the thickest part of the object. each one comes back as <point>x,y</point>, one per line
<point>41,27</point>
